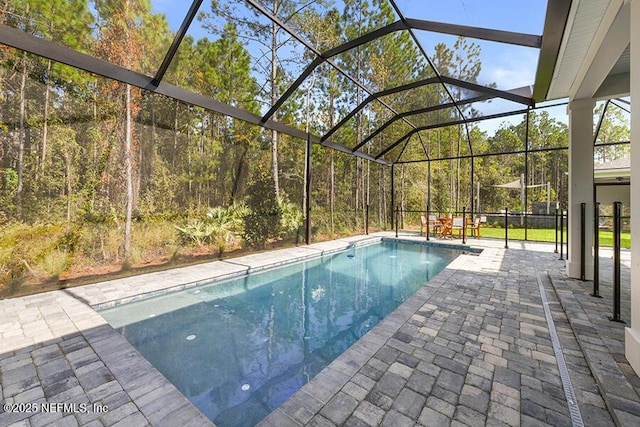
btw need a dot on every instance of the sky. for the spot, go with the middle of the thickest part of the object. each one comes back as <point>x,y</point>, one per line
<point>508,66</point>
<point>505,65</point>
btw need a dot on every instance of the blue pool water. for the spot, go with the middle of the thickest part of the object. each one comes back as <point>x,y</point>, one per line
<point>240,348</point>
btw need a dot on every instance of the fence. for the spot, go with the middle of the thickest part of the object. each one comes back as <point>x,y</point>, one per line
<point>520,225</point>
<point>546,228</point>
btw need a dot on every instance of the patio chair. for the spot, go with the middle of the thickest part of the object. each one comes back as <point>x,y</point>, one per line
<point>475,227</point>
<point>424,225</point>
<point>457,225</point>
<point>434,224</point>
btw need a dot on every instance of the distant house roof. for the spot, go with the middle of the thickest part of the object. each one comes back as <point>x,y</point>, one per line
<point>624,163</point>
<point>614,170</point>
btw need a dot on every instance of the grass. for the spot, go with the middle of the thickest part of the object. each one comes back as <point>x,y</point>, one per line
<point>549,235</point>
<point>40,257</point>
<point>33,255</point>
<point>43,252</point>
<point>54,263</point>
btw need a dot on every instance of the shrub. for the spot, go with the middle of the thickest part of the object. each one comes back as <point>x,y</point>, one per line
<point>220,227</point>
<point>173,252</point>
<point>263,221</point>
<point>54,263</point>
<point>70,239</point>
<point>224,224</point>
<point>290,218</point>
<point>136,254</point>
<point>194,231</point>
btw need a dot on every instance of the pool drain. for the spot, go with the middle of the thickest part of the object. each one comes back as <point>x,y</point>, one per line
<point>572,402</point>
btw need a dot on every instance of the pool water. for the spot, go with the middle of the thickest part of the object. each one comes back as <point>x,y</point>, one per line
<point>240,348</point>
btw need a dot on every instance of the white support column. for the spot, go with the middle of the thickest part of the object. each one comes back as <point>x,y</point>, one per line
<point>632,334</point>
<point>580,183</point>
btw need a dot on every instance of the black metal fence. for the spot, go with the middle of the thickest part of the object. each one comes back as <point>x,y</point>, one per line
<point>518,224</point>
<point>523,226</point>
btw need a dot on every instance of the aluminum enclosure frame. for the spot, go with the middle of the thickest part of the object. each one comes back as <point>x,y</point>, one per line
<point>548,43</point>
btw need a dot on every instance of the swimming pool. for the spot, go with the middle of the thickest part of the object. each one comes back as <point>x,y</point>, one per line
<point>239,348</point>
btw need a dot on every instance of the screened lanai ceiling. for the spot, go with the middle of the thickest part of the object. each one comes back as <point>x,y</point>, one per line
<point>436,64</point>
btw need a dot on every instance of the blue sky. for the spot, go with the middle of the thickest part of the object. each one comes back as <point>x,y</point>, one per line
<point>507,66</point>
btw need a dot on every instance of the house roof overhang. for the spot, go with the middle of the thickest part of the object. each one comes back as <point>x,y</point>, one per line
<point>592,59</point>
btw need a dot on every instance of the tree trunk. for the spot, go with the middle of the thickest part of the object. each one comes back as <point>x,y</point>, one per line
<point>331,169</point>
<point>128,162</point>
<point>429,170</point>
<point>68,159</point>
<point>532,177</point>
<point>22,133</point>
<point>175,136</point>
<point>439,174</point>
<point>45,119</point>
<point>140,169</point>
<point>382,199</point>
<point>307,130</point>
<point>274,99</point>
<point>274,162</point>
<point>332,192</point>
<point>154,147</point>
<point>189,160</point>
<point>403,208</point>
<point>458,171</point>
<point>452,194</point>
<point>235,189</point>
<point>5,161</point>
<point>358,139</point>
<point>367,190</point>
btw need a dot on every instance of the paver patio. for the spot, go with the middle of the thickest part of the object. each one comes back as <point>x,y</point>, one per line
<point>473,347</point>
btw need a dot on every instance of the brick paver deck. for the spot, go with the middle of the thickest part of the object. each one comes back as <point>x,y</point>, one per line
<point>472,347</point>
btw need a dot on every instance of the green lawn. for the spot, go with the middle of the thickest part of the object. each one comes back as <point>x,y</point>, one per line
<point>549,235</point>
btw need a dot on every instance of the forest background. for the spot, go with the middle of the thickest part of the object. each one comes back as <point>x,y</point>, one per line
<point>100,177</point>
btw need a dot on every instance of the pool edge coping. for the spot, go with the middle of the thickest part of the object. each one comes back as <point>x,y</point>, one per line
<point>85,319</point>
<point>98,295</point>
<point>330,380</point>
<point>335,375</point>
<point>240,268</point>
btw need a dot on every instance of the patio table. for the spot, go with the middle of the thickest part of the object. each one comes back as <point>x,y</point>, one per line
<point>445,229</point>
